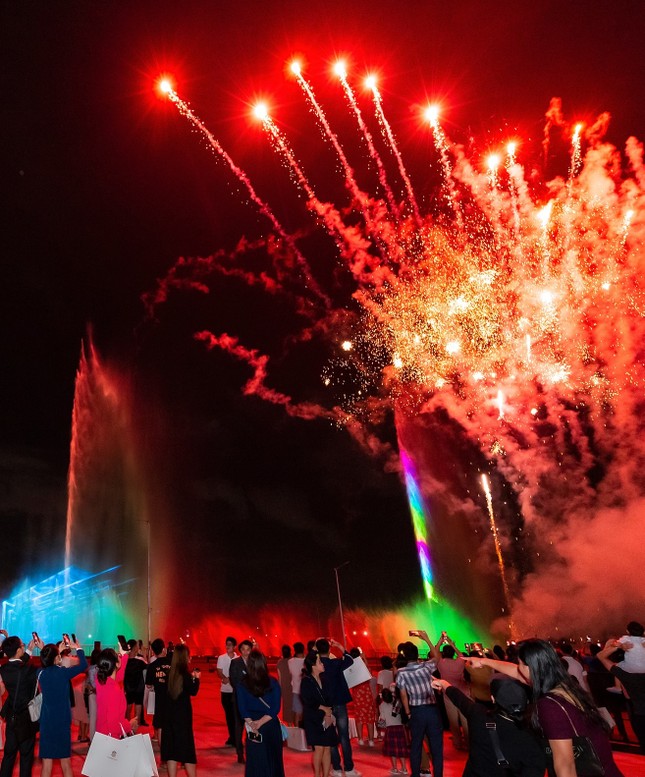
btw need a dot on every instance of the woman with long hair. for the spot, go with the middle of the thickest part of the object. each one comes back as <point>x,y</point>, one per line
<point>258,701</point>
<point>561,709</point>
<point>284,678</point>
<point>319,724</point>
<point>56,712</point>
<point>110,697</point>
<point>178,741</point>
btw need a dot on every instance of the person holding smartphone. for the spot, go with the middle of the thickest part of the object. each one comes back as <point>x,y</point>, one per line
<point>18,678</point>
<point>110,698</point>
<point>258,700</point>
<point>56,713</point>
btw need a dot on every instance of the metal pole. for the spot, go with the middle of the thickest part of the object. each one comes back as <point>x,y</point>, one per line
<point>340,604</point>
<point>149,594</point>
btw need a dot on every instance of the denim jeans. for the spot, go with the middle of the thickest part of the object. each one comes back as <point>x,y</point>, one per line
<point>342,726</point>
<point>426,720</point>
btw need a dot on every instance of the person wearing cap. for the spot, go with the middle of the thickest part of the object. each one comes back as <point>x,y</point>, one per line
<point>499,742</point>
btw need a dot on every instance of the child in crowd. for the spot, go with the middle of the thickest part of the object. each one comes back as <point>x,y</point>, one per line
<point>396,743</point>
<point>634,645</point>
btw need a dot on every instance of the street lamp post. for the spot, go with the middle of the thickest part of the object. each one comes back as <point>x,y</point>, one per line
<point>340,603</point>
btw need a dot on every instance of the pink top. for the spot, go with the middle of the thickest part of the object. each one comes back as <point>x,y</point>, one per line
<point>111,704</point>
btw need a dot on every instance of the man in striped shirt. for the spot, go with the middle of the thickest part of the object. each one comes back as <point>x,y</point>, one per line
<point>419,702</point>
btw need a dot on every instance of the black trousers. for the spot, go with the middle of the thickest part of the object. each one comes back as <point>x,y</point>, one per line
<point>229,712</point>
<point>638,724</point>
<point>11,750</point>
<point>239,728</point>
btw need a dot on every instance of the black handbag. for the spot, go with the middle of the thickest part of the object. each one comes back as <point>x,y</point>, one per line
<point>584,753</point>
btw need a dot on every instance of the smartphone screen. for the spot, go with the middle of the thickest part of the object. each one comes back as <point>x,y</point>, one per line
<point>123,642</point>
<point>66,639</point>
<point>73,637</point>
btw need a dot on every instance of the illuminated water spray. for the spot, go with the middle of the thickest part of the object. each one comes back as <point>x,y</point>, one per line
<point>510,309</point>
<point>420,523</point>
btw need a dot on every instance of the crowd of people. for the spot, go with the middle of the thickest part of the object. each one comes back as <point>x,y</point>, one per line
<point>519,710</point>
<point>114,684</point>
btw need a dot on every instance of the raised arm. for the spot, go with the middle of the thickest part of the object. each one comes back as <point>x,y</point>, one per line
<point>463,703</point>
<point>504,667</point>
<point>610,647</point>
<point>434,649</point>
<point>79,668</point>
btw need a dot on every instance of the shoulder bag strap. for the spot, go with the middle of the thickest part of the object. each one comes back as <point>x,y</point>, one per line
<point>491,727</point>
<point>37,690</point>
<point>566,713</point>
<point>15,696</point>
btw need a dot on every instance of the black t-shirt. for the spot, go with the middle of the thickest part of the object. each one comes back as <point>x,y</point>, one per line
<point>519,746</point>
<point>157,675</point>
<point>133,677</point>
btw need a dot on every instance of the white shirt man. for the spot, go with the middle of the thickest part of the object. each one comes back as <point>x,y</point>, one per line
<point>223,665</point>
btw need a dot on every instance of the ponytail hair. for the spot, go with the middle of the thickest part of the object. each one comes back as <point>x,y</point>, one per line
<point>48,655</point>
<point>106,664</point>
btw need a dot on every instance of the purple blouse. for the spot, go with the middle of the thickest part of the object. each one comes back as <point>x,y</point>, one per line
<point>558,717</point>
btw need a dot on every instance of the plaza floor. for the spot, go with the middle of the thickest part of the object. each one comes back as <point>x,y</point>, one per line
<point>213,758</point>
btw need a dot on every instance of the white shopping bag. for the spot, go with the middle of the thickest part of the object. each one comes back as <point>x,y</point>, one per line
<point>149,700</point>
<point>296,739</point>
<point>147,764</point>
<point>129,757</point>
<point>357,673</point>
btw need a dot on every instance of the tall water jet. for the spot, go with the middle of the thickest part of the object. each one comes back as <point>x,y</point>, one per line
<point>108,524</point>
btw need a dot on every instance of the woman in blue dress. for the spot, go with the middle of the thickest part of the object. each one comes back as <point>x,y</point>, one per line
<point>56,712</point>
<point>258,701</point>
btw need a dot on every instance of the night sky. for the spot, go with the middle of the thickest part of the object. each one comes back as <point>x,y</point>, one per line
<point>105,186</point>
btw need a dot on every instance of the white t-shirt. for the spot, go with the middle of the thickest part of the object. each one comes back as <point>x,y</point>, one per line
<point>385,712</point>
<point>634,660</point>
<point>385,678</point>
<point>576,670</point>
<point>295,667</point>
<point>224,663</point>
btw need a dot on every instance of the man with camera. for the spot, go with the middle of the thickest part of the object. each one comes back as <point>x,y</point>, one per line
<point>335,686</point>
<point>414,682</point>
<point>18,678</point>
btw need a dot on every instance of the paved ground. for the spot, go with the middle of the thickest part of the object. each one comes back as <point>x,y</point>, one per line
<point>210,734</point>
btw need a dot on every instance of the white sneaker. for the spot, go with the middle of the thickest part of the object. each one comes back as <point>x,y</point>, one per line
<point>371,743</point>
<point>354,773</point>
<point>394,771</point>
<point>335,773</point>
<point>361,741</point>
